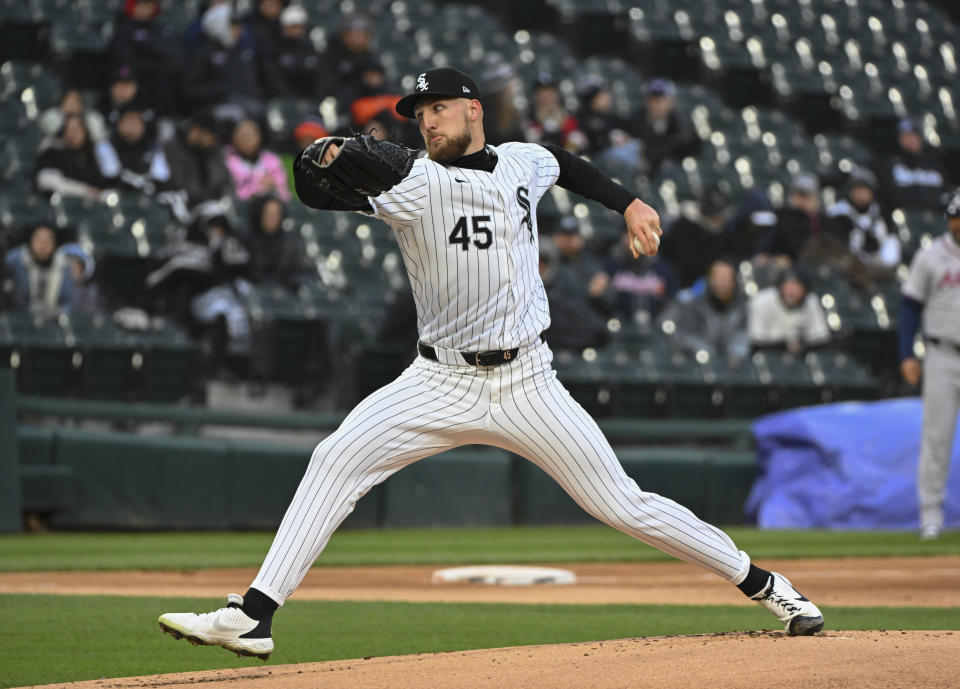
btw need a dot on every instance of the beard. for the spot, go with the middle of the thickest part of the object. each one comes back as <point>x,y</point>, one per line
<point>451,147</point>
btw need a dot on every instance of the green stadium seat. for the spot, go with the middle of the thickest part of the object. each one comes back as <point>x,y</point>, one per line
<point>46,362</point>
<point>30,82</point>
<point>168,362</point>
<point>109,369</point>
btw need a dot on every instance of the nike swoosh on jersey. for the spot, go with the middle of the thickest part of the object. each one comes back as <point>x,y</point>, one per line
<point>462,181</point>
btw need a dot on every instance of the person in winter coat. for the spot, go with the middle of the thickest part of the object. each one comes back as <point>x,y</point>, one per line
<point>151,47</point>
<point>203,283</point>
<point>913,177</point>
<point>222,71</point>
<point>290,65</point>
<point>37,277</point>
<point>799,221</point>
<point>254,170</point>
<point>349,51</point>
<point>276,256</point>
<point>86,293</point>
<point>715,321</point>
<point>666,134</point>
<point>196,162</point>
<point>68,165</point>
<point>608,133</point>
<point>131,156</point>
<point>574,323</point>
<point>787,316</point>
<point>72,103</point>
<point>694,240</point>
<point>862,221</point>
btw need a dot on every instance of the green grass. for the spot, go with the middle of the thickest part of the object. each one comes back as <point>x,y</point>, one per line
<point>67,638</point>
<point>186,550</point>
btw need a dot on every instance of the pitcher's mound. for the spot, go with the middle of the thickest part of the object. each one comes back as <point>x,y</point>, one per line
<point>751,660</point>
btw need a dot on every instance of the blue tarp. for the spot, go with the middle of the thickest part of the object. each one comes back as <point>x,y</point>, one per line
<point>844,466</point>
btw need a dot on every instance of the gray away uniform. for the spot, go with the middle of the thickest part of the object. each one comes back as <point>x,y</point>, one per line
<point>934,281</point>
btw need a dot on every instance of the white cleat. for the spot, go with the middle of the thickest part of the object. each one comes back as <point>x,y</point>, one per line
<point>229,627</point>
<point>930,532</point>
<point>798,614</point>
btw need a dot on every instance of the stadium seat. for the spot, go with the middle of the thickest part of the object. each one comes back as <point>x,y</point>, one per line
<point>29,82</point>
<point>168,362</point>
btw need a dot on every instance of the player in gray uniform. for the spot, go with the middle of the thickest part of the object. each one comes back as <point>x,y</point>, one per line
<point>465,220</point>
<point>933,290</point>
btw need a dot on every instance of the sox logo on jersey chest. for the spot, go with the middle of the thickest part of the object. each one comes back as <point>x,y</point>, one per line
<point>523,198</point>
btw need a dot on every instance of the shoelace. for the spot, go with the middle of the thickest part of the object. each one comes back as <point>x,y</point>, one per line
<point>210,615</point>
<point>782,602</point>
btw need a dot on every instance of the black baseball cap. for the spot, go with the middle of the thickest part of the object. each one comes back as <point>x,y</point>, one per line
<point>442,81</point>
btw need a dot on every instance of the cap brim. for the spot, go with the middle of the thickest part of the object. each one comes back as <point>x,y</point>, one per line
<point>405,105</point>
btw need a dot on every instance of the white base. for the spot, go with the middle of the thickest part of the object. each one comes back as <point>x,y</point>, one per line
<point>504,575</point>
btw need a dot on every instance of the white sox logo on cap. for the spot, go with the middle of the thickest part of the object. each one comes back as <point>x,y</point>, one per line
<point>422,84</point>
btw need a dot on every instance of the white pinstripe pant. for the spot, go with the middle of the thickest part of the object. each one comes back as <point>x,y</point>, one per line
<point>520,407</point>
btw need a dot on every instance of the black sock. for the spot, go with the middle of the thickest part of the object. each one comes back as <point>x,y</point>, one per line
<point>258,605</point>
<point>756,581</point>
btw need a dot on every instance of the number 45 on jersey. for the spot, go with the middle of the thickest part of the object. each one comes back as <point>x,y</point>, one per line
<point>482,235</point>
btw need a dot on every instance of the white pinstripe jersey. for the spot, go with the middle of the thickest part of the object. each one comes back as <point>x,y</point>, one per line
<point>469,242</point>
<point>935,280</point>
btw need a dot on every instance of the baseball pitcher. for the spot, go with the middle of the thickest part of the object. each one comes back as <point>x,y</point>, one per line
<point>465,219</point>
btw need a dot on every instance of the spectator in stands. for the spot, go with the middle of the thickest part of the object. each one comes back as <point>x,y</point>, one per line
<point>304,134</point>
<point>276,256</point>
<point>131,156</point>
<point>787,316</point>
<point>202,284</point>
<point>694,240</point>
<point>751,219</point>
<point>37,277</point>
<point>913,176</point>
<point>221,73</point>
<point>798,221</point>
<point>502,120</point>
<point>585,267</point>
<point>86,294</point>
<point>67,164</point>
<point>374,98</point>
<point>550,122</point>
<point>290,65</point>
<point>264,26</point>
<point>715,321</point>
<point>196,162</point>
<point>194,30</point>
<point>607,131</point>
<point>574,323</point>
<point>72,103</point>
<point>666,133</point>
<point>255,170</point>
<point>345,58</point>
<point>121,92</point>
<point>641,287</point>
<point>151,47</point>
<point>861,219</point>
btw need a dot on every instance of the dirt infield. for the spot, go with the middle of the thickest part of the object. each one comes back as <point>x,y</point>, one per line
<point>753,660</point>
<point>929,581</point>
<point>841,660</point>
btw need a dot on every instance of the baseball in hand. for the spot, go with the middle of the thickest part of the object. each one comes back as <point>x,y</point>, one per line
<point>639,246</point>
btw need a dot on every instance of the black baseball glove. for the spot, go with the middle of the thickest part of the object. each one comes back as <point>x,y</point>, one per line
<point>362,167</point>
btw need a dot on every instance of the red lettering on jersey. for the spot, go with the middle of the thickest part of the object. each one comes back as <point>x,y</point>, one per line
<point>950,279</point>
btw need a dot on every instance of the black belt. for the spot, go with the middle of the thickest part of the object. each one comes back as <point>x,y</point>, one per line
<point>494,358</point>
<point>943,343</point>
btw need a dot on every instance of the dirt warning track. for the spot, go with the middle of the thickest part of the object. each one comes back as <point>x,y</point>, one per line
<point>926,582</point>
